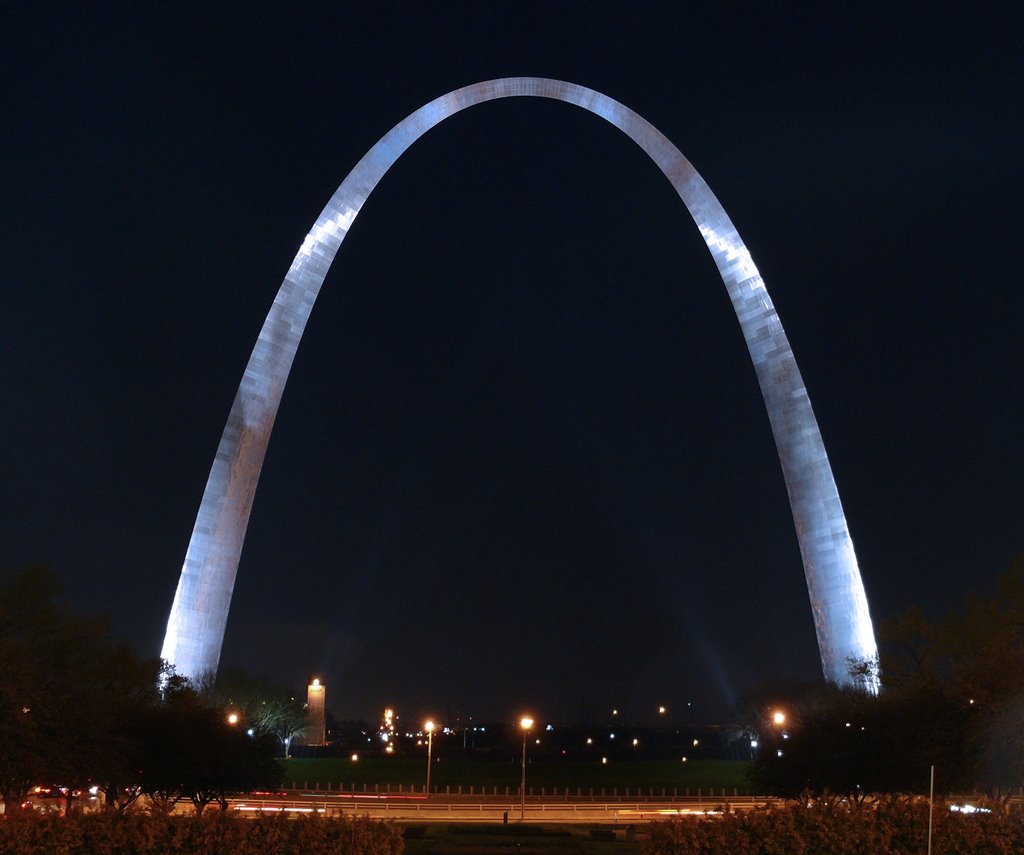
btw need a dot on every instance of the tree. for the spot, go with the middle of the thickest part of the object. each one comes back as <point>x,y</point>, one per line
<point>952,697</point>
<point>266,710</point>
<point>78,708</point>
<point>65,687</point>
<point>191,751</point>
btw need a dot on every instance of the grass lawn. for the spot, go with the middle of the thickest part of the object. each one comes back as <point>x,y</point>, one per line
<point>584,774</point>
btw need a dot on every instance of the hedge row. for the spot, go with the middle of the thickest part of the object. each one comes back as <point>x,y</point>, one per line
<point>839,828</point>
<point>212,833</point>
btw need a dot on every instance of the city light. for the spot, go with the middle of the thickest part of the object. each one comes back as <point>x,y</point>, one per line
<point>779,717</point>
<point>233,718</point>
<point>661,711</point>
<point>387,733</point>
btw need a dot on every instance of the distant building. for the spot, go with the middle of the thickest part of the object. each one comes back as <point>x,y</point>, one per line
<point>316,730</point>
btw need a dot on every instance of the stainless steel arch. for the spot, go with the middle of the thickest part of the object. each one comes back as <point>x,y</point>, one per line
<point>195,629</point>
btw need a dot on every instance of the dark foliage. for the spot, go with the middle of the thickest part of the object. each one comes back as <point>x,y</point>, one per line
<point>79,709</point>
<point>953,697</point>
<point>841,827</point>
<point>157,834</point>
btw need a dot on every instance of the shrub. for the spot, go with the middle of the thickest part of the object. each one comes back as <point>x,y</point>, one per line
<point>891,825</point>
<point>214,833</point>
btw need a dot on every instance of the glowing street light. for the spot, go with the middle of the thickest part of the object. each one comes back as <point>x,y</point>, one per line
<point>661,711</point>
<point>779,717</point>
<point>233,718</point>
<point>525,723</point>
<point>428,726</point>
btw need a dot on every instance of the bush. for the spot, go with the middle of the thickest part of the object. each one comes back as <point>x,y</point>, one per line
<point>893,826</point>
<point>212,834</point>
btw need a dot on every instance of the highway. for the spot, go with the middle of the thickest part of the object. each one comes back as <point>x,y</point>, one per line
<point>449,809</point>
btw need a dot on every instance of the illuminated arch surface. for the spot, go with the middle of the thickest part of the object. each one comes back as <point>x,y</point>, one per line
<point>195,629</point>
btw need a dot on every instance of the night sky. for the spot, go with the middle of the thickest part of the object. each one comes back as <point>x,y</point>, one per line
<point>522,460</point>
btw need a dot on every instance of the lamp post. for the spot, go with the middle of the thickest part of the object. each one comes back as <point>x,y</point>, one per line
<point>779,721</point>
<point>428,726</point>
<point>525,723</point>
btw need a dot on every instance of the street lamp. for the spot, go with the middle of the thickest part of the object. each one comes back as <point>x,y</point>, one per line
<point>233,718</point>
<point>428,726</point>
<point>525,723</point>
<point>779,717</point>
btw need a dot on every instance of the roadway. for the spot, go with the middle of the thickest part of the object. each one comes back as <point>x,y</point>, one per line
<point>452,809</point>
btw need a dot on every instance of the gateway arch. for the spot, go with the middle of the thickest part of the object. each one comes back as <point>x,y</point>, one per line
<point>195,629</point>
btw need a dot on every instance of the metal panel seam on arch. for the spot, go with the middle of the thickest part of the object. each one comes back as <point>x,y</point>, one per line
<point>195,629</point>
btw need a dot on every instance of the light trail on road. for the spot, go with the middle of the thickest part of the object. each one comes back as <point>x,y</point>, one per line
<point>420,809</point>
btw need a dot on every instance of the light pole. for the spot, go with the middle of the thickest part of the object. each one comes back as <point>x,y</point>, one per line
<point>779,721</point>
<point>525,723</point>
<point>428,726</point>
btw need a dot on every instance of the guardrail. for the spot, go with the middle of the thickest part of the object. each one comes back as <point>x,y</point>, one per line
<point>565,794</point>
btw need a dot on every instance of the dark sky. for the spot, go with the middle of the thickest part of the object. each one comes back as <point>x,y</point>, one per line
<point>522,458</point>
